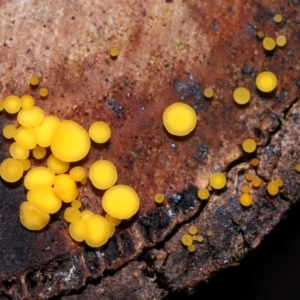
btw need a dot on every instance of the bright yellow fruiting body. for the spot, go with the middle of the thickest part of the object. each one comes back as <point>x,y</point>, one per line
<point>34,80</point>
<point>112,220</point>
<point>297,167</point>
<point>97,231</point>
<point>17,151</point>
<point>209,233</point>
<point>269,44</point>
<point>9,131</point>
<point>203,194</point>
<point>12,104</point>
<point>103,174</point>
<point>65,188</point>
<point>279,182</point>
<point>39,152</point>
<point>45,198</point>
<point>187,239</point>
<point>245,199</point>
<point>272,188</point>
<point>193,230</point>
<point>77,230</point>
<point>32,217</point>
<point>199,238</point>
<point>76,204</point>
<point>249,176</point>
<point>245,189</point>
<point>208,93</point>
<point>121,201</point>
<point>179,119</point>
<point>241,95</point>
<point>1,105</point>
<point>25,163</point>
<point>112,230</point>
<point>260,34</point>
<point>77,173</point>
<point>71,214</point>
<point>256,182</point>
<point>114,52</point>
<point>159,198</point>
<point>83,181</point>
<point>254,162</point>
<point>281,40</point>
<point>31,117</point>
<point>249,145</point>
<point>39,177</point>
<point>86,214</point>
<point>27,102</point>
<point>26,137</point>
<point>218,180</point>
<point>277,18</point>
<point>56,165</point>
<point>70,142</point>
<point>11,170</point>
<point>43,92</point>
<point>266,81</point>
<point>99,132</point>
<point>192,248</point>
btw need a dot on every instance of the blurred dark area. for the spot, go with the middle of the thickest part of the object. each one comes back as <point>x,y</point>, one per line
<point>271,272</point>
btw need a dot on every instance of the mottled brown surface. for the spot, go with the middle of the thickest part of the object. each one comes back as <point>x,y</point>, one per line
<point>67,45</point>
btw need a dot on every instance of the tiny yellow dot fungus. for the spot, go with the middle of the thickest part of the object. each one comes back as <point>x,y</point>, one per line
<point>11,170</point>
<point>113,52</point>
<point>27,102</point>
<point>187,239</point>
<point>71,214</point>
<point>297,167</point>
<point>200,238</point>
<point>256,182</point>
<point>56,165</point>
<point>39,152</point>
<point>218,180</point>
<point>43,92</point>
<point>191,248</point>
<point>83,181</point>
<point>254,162</point>
<point>245,189</point>
<point>266,81</point>
<point>77,230</point>
<point>112,229</point>
<point>1,105</point>
<point>249,176</point>
<point>269,43</point>
<point>209,233</point>
<point>279,182</point>
<point>241,95</point>
<point>9,131</point>
<point>277,18</point>
<point>76,204</point>
<point>31,117</point>
<point>17,151</point>
<point>208,93</point>
<point>77,173</point>
<point>26,164</point>
<point>99,132</point>
<point>12,104</point>
<point>260,34</point>
<point>39,177</point>
<point>65,188</point>
<point>26,137</point>
<point>245,199</point>
<point>193,230</point>
<point>97,231</point>
<point>249,145</point>
<point>159,198</point>
<point>281,40</point>
<point>272,188</point>
<point>195,237</point>
<point>112,220</point>
<point>34,80</point>
<point>86,214</point>
<point>203,194</point>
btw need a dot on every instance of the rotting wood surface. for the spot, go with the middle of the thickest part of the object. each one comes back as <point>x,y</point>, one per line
<point>168,52</point>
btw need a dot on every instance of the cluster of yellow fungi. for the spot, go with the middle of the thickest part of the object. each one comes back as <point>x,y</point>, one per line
<point>189,238</point>
<point>51,185</point>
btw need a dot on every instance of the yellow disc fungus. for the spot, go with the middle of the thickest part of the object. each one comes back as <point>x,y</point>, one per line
<point>70,141</point>
<point>266,81</point>
<point>26,164</point>
<point>77,230</point>
<point>77,173</point>
<point>39,177</point>
<point>32,217</point>
<point>254,162</point>
<point>249,176</point>
<point>260,34</point>
<point>12,104</point>
<point>179,119</point>
<point>99,132</point>
<point>43,92</point>
<point>193,230</point>
<point>249,145</point>
<point>86,214</point>
<point>297,167</point>
<point>83,181</point>
<point>27,102</point>
<point>45,198</point>
<point>241,95</point>
<point>159,198</point>
<point>269,44</point>
<point>209,233</point>
<point>272,188</point>
<point>281,40</point>
<point>103,174</point>
<point>245,189</point>
<point>279,182</point>
<point>34,80</point>
<point>26,137</point>
<point>199,238</point>
<point>112,220</point>
<point>11,170</point>
<point>121,201</point>
<point>56,165</point>
<point>17,151</point>
<point>1,105</point>
<point>76,204</point>
<point>45,131</point>
<point>9,131</point>
<point>208,93</point>
<point>65,188</point>
<point>217,180</point>
<point>39,152</point>
<point>31,117</point>
<point>112,230</point>
<point>191,248</point>
<point>187,239</point>
<point>97,231</point>
<point>277,18</point>
<point>256,182</point>
<point>71,214</point>
<point>246,200</point>
<point>114,52</point>
<point>203,194</point>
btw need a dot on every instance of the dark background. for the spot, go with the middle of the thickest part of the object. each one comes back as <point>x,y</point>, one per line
<point>271,272</point>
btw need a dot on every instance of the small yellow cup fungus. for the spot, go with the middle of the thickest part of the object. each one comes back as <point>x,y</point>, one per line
<point>76,204</point>
<point>27,102</point>
<point>26,137</point>
<point>246,189</point>
<point>241,95</point>
<point>86,214</point>
<point>121,201</point>
<point>112,229</point>
<point>77,230</point>
<point>187,240</point>
<point>25,163</point>
<point>99,132</point>
<point>297,167</point>
<point>11,170</point>
<point>12,104</point>
<point>277,18</point>
<point>193,230</point>
<point>1,104</point>
<point>191,248</point>
<point>65,188</point>
<point>254,162</point>
<point>199,238</point>
<point>269,44</point>
<point>217,180</point>
<point>39,177</point>
<point>34,80</point>
<point>45,198</point>
<point>266,81</point>
<point>45,131</point>
<point>249,176</point>
<point>208,93</point>
<point>9,131</point>
<point>17,151</point>
<point>260,34</point>
<point>70,142</point>
<point>256,182</point>
<point>83,181</point>
<point>97,231</point>
<point>56,165</point>
<point>71,214</point>
<point>246,200</point>
<point>39,152</point>
<point>249,145</point>
<point>272,188</point>
<point>203,194</point>
<point>281,40</point>
<point>113,52</point>
<point>43,92</point>
<point>31,117</point>
<point>112,220</point>
<point>179,119</point>
<point>77,173</point>
<point>159,198</point>
<point>279,182</point>
<point>32,217</point>
<point>103,174</point>
<point>209,233</point>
